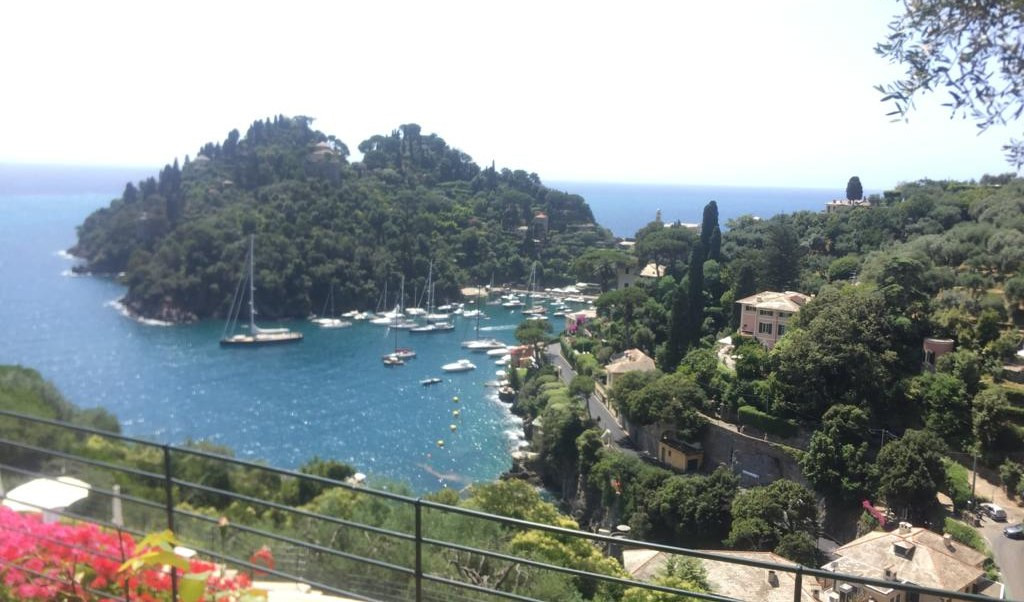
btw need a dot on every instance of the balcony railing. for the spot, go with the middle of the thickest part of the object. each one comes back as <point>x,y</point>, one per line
<point>415,555</point>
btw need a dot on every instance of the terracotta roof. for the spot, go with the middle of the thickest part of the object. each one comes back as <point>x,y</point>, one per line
<point>931,560</point>
<point>787,301</point>
<point>725,578</point>
<point>632,360</point>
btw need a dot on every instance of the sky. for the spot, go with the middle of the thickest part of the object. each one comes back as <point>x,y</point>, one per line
<point>777,93</point>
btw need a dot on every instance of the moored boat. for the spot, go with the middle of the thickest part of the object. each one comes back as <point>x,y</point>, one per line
<point>256,335</point>
<point>462,365</point>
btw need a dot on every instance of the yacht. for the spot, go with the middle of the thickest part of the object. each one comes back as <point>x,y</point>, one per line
<point>462,365</point>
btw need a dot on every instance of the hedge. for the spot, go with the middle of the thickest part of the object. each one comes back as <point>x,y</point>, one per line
<point>751,416</point>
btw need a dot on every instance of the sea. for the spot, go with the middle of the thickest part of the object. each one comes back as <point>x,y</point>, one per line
<point>329,396</point>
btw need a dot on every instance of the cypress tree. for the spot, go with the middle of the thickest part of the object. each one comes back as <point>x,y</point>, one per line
<point>715,246</point>
<point>854,190</point>
<point>695,302</point>
<point>708,225</point>
<point>678,328</point>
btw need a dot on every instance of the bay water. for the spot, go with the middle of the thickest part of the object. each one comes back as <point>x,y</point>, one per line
<point>328,396</point>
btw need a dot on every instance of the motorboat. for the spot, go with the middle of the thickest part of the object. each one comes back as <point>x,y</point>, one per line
<point>393,360</point>
<point>433,380</point>
<point>462,365</point>
<point>498,352</point>
<point>483,344</point>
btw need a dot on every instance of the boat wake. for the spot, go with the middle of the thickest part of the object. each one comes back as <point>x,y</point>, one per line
<point>445,476</point>
<point>122,309</point>
<point>493,328</point>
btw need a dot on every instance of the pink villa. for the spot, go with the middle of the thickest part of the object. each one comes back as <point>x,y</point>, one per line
<point>765,316</point>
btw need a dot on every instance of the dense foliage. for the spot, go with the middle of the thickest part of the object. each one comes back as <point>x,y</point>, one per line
<point>321,221</point>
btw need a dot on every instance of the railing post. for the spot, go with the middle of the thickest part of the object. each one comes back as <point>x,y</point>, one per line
<point>169,505</point>
<point>418,568</point>
<point>798,584</point>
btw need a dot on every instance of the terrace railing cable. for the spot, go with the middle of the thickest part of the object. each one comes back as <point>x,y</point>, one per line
<point>408,580</point>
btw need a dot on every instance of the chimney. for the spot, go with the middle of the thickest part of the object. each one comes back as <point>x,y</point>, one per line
<point>816,594</point>
<point>905,527</point>
<point>948,540</point>
<point>773,578</point>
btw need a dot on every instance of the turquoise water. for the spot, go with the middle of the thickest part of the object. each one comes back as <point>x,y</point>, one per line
<point>329,395</point>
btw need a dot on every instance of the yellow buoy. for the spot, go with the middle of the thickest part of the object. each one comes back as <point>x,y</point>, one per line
<point>453,426</point>
<point>456,413</point>
<point>455,399</point>
<point>440,442</point>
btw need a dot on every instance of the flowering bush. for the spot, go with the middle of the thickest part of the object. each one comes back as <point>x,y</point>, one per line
<point>41,561</point>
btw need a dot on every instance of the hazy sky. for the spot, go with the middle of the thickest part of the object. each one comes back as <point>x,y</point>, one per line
<point>741,93</point>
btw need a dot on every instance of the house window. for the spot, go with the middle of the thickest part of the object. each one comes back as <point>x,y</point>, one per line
<point>783,314</point>
<point>764,328</point>
<point>782,329</point>
<point>766,312</point>
<point>748,308</point>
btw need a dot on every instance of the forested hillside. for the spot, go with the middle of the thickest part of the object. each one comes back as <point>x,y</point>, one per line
<point>320,220</point>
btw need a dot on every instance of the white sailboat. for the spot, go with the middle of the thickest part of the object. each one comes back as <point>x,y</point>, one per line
<point>328,320</point>
<point>256,335</point>
<point>479,344</point>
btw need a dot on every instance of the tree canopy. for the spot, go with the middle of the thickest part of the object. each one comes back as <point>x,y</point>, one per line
<point>322,222</point>
<point>971,50</point>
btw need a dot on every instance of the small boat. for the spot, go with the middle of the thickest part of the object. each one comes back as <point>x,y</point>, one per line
<point>506,394</point>
<point>535,310</point>
<point>330,321</point>
<point>256,335</point>
<point>500,351</point>
<point>392,359</point>
<point>462,365</point>
<point>483,344</point>
<point>473,313</point>
<point>433,380</point>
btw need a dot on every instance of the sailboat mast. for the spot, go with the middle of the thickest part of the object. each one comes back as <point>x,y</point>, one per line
<point>252,290</point>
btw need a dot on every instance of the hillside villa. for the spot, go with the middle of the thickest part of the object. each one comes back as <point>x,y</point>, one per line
<point>765,315</point>
<point>907,555</point>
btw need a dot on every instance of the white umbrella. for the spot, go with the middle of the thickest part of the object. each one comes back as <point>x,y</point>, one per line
<point>46,494</point>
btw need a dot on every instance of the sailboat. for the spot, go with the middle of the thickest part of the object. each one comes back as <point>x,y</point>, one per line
<point>479,344</point>
<point>329,321</point>
<point>256,335</point>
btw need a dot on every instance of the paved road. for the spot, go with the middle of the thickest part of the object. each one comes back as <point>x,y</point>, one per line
<point>1008,554</point>
<point>595,408</point>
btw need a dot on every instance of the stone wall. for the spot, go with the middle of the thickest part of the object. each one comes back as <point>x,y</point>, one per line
<point>758,462</point>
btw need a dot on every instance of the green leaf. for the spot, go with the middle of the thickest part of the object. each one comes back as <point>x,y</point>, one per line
<point>193,586</point>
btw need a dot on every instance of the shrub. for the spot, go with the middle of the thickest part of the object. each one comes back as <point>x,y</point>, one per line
<point>959,489</point>
<point>963,534</point>
<point>751,416</point>
<point>40,559</point>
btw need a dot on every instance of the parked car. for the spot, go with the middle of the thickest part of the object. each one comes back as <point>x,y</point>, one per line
<point>993,511</point>
<point>1014,531</point>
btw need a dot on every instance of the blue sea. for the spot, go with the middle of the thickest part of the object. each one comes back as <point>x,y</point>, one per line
<point>328,396</point>
<point>626,208</point>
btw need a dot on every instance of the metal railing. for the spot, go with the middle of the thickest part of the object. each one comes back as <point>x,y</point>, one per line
<point>411,556</point>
